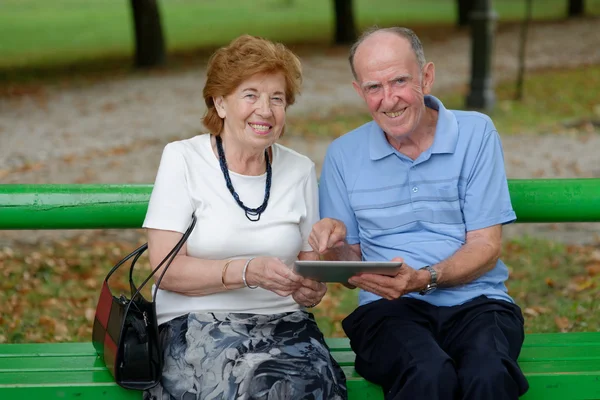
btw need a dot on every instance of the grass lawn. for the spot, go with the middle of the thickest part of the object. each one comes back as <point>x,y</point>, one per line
<point>43,33</point>
<point>48,292</point>
<point>558,102</point>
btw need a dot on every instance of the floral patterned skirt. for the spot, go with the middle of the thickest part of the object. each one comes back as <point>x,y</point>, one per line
<point>247,356</point>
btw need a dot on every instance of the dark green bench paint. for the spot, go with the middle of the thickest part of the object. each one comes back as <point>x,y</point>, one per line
<point>558,366</point>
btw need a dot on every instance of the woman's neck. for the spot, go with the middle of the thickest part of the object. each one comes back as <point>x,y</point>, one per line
<point>241,159</point>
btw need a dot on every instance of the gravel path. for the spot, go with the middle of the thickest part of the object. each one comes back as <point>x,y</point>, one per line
<point>113,131</point>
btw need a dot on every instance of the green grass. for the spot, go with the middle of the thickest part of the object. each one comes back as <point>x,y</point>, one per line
<point>554,102</point>
<point>48,292</point>
<point>42,33</point>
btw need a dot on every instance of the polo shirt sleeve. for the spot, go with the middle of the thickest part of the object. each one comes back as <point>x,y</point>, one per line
<point>311,200</point>
<point>334,200</point>
<point>487,200</point>
<point>170,207</point>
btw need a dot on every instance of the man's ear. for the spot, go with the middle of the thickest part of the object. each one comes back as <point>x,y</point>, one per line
<point>428,77</point>
<point>358,89</point>
<point>219,106</point>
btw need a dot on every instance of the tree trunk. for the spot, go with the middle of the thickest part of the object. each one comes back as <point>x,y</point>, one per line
<point>464,8</point>
<point>522,46</point>
<point>345,29</point>
<point>576,8</point>
<point>149,41</point>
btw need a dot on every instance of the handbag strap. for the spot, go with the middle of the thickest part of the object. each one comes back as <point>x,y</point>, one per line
<point>137,253</point>
<point>168,259</point>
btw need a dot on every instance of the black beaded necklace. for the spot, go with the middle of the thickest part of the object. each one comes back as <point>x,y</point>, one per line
<point>253,214</point>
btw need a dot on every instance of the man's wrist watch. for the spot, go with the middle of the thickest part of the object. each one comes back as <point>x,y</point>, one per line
<point>432,285</point>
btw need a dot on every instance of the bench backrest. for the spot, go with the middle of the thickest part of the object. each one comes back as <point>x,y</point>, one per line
<point>124,206</point>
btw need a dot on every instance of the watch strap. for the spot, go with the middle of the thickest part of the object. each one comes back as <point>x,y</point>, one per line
<point>432,285</point>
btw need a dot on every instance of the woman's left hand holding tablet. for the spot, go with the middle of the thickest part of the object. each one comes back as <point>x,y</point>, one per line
<point>310,293</point>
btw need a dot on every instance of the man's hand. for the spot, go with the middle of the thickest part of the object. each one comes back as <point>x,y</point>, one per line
<point>392,287</point>
<point>326,234</point>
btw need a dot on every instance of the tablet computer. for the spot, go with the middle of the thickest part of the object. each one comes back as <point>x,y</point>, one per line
<point>341,271</point>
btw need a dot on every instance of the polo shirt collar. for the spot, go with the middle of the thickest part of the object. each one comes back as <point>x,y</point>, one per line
<point>446,133</point>
<point>446,130</point>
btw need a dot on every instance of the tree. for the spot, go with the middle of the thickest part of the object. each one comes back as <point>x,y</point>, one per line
<point>576,8</point>
<point>345,28</point>
<point>149,41</point>
<point>464,8</point>
<point>522,45</point>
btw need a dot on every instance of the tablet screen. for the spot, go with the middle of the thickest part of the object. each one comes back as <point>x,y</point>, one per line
<point>341,271</point>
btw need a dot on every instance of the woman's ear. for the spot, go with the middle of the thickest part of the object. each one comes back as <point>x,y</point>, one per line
<point>219,106</point>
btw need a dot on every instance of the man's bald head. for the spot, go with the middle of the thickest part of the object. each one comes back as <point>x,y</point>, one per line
<point>405,33</point>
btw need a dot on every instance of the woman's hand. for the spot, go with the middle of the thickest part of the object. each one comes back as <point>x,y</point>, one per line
<point>272,274</point>
<point>310,293</point>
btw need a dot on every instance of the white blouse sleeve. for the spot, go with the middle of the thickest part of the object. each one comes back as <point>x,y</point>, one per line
<point>170,206</point>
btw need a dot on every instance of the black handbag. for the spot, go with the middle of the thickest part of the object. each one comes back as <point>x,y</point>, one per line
<point>125,333</point>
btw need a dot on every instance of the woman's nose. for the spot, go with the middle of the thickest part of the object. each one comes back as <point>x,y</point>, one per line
<point>264,106</point>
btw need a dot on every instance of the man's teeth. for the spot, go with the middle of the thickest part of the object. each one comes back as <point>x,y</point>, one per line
<point>262,128</point>
<point>394,114</point>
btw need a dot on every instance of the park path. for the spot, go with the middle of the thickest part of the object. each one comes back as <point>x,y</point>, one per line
<point>113,130</point>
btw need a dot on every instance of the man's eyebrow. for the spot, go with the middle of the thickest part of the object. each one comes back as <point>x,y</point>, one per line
<point>370,83</point>
<point>402,76</point>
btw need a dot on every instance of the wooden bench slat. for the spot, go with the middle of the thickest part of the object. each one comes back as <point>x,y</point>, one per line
<point>46,349</point>
<point>88,392</point>
<point>561,366</point>
<point>336,344</point>
<point>556,365</point>
<point>542,354</point>
<point>531,340</point>
<point>58,377</point>
<point>71,392</point>
<point>562,387</point>
<point>51,363</point>
<point>560,353</point>
<point>562,339</point>
<point>54,363</point>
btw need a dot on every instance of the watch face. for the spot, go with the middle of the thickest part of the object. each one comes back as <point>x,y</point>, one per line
<point>430,288</point>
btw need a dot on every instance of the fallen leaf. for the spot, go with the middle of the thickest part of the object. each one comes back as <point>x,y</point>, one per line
<point>531,312</point>
<point>593,268</point>
<point>90,313</point>
<point>562,323</point>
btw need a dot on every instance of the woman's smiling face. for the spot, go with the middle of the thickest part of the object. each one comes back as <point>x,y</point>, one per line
<point>254,113</point>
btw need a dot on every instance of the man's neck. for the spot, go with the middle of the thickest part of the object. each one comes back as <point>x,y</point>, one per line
<point>420,139</point>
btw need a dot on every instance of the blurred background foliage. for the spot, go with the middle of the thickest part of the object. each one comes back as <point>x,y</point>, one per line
<point>37,32</point>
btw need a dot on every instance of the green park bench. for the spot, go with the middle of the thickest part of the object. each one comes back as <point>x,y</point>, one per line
<point>557,365</point>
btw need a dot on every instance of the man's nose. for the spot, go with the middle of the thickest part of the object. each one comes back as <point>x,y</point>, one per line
<point>389,96</point>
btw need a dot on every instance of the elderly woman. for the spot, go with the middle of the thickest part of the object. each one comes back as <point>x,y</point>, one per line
<point>231,311</point>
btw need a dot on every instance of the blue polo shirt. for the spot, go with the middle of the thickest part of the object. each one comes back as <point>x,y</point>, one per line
<point>421,209</point>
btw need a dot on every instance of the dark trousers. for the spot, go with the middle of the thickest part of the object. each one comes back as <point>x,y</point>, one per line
<point>415,350</point>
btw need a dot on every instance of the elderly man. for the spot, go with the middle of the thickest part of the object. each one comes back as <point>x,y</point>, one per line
<point>423,185</point>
